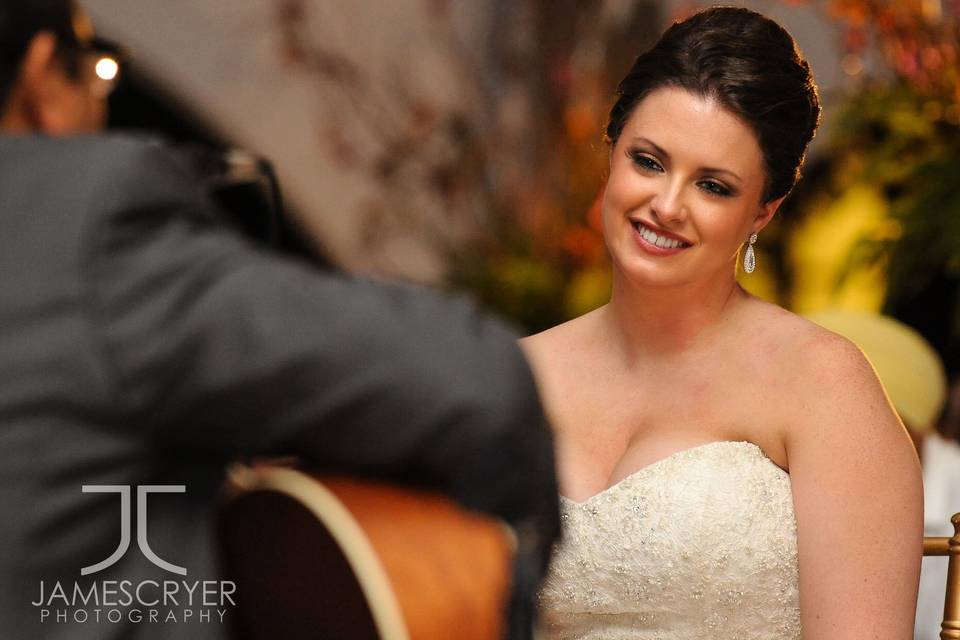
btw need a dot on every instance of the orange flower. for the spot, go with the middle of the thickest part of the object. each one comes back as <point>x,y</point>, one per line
<point>583,243</point>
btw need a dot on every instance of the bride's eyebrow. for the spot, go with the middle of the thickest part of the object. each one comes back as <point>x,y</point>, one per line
<point>647,141</point>
<point>666,156</point>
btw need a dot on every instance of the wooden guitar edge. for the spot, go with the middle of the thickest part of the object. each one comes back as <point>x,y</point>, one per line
<point>357,549</point>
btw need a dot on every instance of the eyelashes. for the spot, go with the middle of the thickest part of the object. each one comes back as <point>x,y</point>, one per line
<point>649,164</point>
<point>644,160</point>
<point>715,187</point>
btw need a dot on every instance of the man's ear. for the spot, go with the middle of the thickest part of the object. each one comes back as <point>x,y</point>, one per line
<point>33,101</point>
<point>766,213</point>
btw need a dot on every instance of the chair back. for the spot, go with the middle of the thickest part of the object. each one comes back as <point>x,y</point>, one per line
<point>950,547</point>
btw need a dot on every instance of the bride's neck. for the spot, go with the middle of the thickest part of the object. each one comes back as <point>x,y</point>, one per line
<point>664,322</point>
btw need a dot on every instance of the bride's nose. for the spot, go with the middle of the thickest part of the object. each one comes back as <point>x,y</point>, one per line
<point>667,204</point>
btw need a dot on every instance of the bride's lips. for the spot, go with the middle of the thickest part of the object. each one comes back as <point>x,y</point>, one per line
<point>648,235</point>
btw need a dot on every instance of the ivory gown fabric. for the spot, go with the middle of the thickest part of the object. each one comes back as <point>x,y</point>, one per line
<point>701,544</point>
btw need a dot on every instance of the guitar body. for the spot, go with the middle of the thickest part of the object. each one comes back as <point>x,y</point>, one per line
<point>340,558</point>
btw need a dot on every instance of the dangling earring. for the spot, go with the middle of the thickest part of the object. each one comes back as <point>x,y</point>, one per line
<point>749,257</point>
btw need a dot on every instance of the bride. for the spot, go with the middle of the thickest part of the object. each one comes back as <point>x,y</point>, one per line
<point>728,469</point>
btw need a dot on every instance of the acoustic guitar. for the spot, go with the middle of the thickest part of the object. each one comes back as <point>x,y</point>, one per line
<point>337,558</point>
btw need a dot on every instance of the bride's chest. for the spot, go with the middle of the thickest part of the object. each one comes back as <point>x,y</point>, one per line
<point>623,406</point>
<point>602,437</point>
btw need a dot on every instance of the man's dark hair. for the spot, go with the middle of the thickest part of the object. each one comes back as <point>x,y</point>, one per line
<point>20,21</point>
<point>748,63</point>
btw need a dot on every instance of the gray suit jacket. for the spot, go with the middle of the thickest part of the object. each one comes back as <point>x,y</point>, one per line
<point>143,343</point>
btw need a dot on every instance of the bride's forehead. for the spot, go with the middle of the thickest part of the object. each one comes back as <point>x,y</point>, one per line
<point>686,121</point>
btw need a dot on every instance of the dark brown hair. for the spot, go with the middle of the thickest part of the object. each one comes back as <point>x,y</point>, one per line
<point>748,63</point>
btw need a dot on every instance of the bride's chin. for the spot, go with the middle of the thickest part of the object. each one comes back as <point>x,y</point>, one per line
<point>636,272</point>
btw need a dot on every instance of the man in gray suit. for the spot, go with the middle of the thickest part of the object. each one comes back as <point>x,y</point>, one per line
<point>143,344</point>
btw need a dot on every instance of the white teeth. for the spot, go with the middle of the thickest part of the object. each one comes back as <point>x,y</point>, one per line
<point>660,241</point>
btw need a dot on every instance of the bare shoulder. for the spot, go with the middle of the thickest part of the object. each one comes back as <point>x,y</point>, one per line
<point>831,404</point>
<point>824,368</point>
<point>803,355</point>
<point>550,348</point>
<point>821,381</point>
<point>559,357</point>
<point>821,355</point>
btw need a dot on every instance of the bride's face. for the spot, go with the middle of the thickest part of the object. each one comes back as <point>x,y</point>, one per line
<point>685,189</point>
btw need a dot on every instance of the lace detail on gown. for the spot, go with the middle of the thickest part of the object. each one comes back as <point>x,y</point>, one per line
<point>701,544</point>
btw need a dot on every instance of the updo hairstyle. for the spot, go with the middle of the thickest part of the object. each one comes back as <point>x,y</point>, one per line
<point>750,65</point>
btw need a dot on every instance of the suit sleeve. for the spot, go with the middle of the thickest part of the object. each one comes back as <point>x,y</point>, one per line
<point>220,349</point>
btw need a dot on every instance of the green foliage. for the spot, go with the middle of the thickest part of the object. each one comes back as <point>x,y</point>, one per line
<point>908,146</point>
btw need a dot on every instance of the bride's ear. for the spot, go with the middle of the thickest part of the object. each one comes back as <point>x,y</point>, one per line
<point>766,213</point>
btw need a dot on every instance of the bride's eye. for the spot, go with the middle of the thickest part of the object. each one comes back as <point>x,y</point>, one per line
<point>644,161</point>
<point>715,188</point>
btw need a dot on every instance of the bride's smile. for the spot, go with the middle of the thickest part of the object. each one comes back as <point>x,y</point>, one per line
<point>658,241</point>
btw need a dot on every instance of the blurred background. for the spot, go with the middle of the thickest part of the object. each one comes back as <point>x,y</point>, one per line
<point>460,144</point>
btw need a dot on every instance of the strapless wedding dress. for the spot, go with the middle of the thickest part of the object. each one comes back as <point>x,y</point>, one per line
<point>701,544</point>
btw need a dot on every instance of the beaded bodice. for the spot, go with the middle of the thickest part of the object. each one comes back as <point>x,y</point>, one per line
<point>700,544</point>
